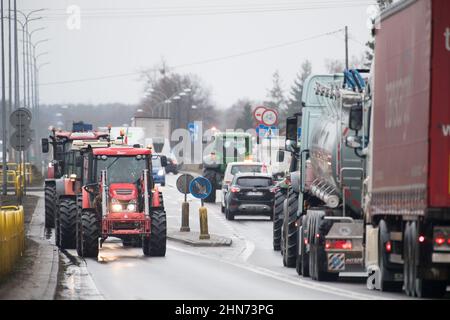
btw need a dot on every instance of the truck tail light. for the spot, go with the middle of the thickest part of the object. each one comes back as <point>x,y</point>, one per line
<point>421,239</point>
<point>235,189</point>
<point>339,244</point>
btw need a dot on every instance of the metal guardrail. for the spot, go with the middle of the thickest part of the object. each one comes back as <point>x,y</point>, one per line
<point>12,237</point>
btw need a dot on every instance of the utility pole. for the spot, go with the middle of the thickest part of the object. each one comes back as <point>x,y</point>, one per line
<point>3,103</point>
<point>346,47</point>
<point>10,94</point>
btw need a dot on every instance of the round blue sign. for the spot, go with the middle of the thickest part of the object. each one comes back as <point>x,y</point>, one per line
<point>200,187</point>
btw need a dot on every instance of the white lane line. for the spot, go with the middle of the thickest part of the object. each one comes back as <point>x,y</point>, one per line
<point>288,279</point>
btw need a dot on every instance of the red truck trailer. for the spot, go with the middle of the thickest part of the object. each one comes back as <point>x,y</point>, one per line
<point>408,194</point>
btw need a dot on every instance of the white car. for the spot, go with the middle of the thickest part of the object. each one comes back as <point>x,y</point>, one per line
<point>240,167</point>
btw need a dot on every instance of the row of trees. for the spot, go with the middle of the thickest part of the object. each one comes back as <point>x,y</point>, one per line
<point>161,83</point>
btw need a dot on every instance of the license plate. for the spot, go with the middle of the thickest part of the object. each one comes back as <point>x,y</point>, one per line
<point>251,193</point>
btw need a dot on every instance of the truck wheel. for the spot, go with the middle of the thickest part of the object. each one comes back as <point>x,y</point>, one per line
<point>317,251</point>
<point>278,219</point>
<point>155,244</point>
<point>290,233</point>
<point>211,176</point>
<point>414,285</point>
<point>298,261</point>
<point>50,205</point>
<point>383,237</point>
<point>303,255</point>
<point>68,219</point>
<point>90,233</point>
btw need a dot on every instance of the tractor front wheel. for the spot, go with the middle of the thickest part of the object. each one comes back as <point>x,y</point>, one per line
<point>90,233</point>
<point>155,244</point>
<point>50,205</point>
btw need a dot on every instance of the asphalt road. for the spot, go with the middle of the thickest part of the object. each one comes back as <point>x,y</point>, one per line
<point>249,269</point>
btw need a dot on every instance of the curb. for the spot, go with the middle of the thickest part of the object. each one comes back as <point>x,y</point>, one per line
<point>192,239</point>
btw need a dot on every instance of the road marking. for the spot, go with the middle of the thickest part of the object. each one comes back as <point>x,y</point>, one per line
<point>287,279</point>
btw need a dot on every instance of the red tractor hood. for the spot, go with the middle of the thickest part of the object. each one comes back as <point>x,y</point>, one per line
<point>123,191</point>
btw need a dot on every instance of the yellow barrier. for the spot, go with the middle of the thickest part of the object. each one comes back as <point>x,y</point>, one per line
<point>14,179</point>
<point>12,237</point>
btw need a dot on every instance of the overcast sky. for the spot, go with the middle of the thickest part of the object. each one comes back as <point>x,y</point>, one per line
<point>117,39</point>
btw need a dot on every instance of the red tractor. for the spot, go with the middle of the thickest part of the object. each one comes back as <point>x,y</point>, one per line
<point>119,199</point>
<point>63,181</point>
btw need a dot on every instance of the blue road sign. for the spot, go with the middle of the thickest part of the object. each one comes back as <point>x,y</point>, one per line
<point>264,131</point>
<point>193,130</point>
<point>200,187</point>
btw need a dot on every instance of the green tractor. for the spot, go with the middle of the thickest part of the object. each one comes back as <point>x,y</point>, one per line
<point>225,147</point>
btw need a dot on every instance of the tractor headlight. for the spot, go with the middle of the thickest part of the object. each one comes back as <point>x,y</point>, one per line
<point>116,207</point>
<point>131,207</point>
<point>161,172</point>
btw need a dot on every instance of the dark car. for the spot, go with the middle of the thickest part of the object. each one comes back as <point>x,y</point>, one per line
<point>172,165</point>
<point>250,194</point>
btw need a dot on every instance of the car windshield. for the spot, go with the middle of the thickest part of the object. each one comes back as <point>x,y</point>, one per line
<point>254,182</point>
<point>156,162</point>
<point>121,169</point>
<point>246,168</point>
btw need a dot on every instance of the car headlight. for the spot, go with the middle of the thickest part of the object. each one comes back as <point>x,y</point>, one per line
<point>116,207</point>
<point>160,172</point>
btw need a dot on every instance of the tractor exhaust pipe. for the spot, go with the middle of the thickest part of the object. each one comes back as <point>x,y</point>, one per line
<point>104,193</point>
<point>146,194</point>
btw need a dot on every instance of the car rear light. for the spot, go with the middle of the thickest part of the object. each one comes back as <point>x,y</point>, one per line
<point>235,189</point>
<point>439,239</point>
<point>388,247</point>
<point>421,239</point>
<point>338,244</point>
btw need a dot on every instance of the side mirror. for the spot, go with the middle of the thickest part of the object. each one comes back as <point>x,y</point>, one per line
<point>355,118</point>
<point>45,145</point>
<point>164,161</point>
<point>280,156</point>
<point>291,128</point>
<point>79,161</point>
<point>353,142</point>
<point>290,146</point>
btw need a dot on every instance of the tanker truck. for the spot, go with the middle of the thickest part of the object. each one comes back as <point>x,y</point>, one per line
<point>322,233</point>
<point>407,190</point>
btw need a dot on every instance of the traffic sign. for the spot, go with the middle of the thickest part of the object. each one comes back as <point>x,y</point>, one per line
<point>269,117</point>
<point>193,130</point>
<point>200,187</point>
<point>263,130</point>
<point>20,118</point>
<point>21,140</point>
<point>183,182</point>
<point>258,112</point>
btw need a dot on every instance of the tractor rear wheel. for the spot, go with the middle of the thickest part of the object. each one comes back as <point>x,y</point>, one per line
<point>155,244</point>
<point>50,204</point>
<point>78,225</point>
<point>278,219</point>
<point>67,223</point>
<point>90,233</point>
<point>211,176</point>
